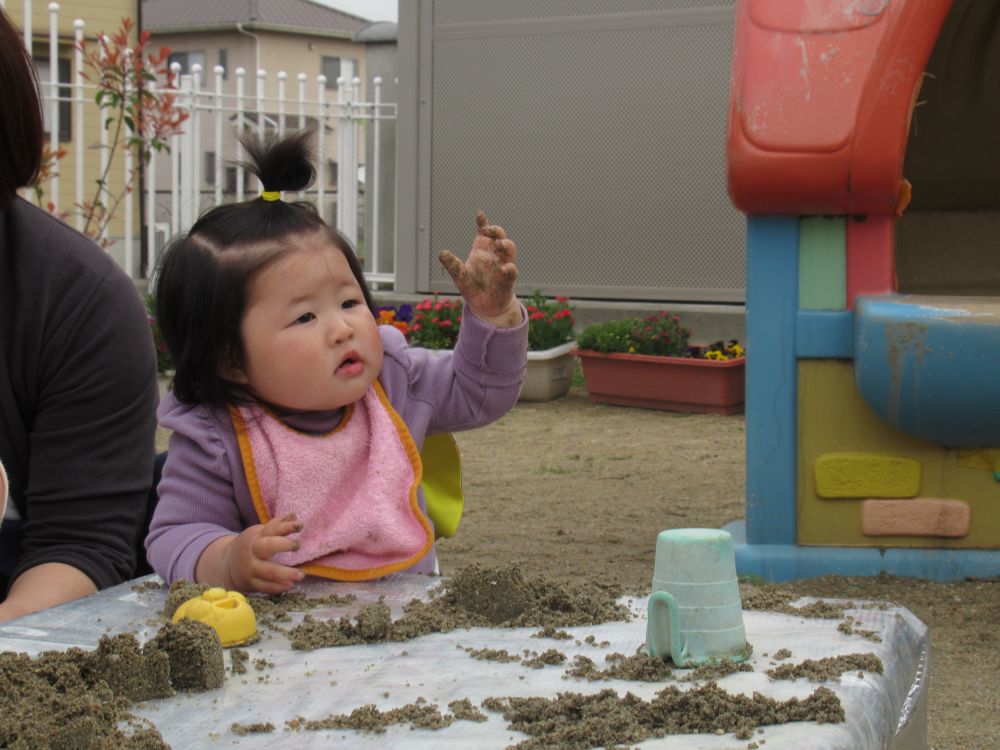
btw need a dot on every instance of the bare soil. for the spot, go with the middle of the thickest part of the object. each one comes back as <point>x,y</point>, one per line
<point>569,488</point>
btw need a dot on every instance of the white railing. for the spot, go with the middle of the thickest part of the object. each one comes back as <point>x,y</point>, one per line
<point>176,187</point>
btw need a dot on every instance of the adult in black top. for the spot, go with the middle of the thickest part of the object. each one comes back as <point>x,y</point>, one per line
<point>77,383</point>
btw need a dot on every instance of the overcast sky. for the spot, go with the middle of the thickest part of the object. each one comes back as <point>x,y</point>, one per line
<point>373,10</point>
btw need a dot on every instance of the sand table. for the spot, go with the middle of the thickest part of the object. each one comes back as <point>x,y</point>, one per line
<point>491,658</point>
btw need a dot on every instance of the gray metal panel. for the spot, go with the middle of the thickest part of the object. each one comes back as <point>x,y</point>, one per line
<point>414,56</point>
<point>595,133</point>
<point>460,11</point>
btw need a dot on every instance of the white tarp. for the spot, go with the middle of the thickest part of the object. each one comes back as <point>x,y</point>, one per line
<point>883,711</point>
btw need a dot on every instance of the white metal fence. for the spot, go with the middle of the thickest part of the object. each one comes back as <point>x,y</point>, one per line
<point>178,186</point>
<point>350,118</point>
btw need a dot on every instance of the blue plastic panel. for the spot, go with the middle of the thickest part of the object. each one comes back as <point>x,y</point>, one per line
<point>930,365</point>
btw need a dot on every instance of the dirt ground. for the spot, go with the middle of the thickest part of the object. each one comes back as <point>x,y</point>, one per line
<point>570,488</point>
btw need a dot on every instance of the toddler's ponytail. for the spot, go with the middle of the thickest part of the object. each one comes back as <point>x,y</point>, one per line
<point>284,164</point>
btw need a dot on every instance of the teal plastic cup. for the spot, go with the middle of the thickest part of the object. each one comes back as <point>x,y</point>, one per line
<point>695,613</point>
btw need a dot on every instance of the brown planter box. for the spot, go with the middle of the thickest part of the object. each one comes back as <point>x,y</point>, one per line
<point>671,383</point>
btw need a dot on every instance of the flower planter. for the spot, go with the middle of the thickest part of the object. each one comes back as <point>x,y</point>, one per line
<point>549,373</point>
<point>671,383</point>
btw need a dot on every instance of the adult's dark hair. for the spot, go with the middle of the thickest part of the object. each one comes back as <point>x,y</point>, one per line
<point>204,277</point>
<point>21,133</point>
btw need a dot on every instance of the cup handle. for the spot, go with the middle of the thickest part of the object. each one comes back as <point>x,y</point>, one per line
<point>663,614</point>
<point>3,492</point>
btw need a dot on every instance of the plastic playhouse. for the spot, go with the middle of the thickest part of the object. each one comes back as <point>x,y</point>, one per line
<point>864,147</point>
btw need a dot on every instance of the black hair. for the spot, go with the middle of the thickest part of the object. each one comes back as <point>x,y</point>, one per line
<point>203,280</point>
<point>21,128</point>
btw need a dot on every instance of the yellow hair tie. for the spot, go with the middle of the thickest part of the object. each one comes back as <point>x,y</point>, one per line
<point>271,195</point>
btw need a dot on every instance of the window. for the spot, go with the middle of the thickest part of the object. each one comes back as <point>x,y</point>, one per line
<point>208,171</point>
<point>335,67</point>
<point>293,122</point>
<point>230,177</point>
<point>65,95</point>
<point>224,62</point>
<point>186,60</point>
<point>331,69</point>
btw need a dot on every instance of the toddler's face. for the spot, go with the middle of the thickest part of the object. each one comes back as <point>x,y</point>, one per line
<point>310,340</point>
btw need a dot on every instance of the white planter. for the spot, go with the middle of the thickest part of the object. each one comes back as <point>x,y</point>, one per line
<point>549,373</point>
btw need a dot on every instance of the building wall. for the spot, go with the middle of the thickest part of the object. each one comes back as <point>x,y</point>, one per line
<point>292,53</point>
<point>99,16</point>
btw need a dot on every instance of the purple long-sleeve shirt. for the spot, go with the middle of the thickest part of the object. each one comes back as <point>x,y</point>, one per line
<point>204,493</point>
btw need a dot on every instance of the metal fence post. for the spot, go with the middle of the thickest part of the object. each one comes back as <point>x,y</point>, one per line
<point>78,25</point>
<point>240,125</point>
<point>54,101</point>
<point>217,136</point>
<point>187,158</point>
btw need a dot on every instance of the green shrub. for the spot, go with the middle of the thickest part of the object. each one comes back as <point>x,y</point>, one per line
<point>550,322</point>
<point>164,362</point>
<point>435,323</point>
<point>661,334</point>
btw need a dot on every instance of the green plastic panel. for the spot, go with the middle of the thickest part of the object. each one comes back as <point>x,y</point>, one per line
<point>822,263</point>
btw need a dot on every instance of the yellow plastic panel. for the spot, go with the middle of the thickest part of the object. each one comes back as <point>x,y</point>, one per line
<point>866,475</point>
<point>833,419</point>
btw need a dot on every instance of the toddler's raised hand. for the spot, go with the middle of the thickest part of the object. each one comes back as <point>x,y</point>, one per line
<point>246,561</point>
<point>486,278</point>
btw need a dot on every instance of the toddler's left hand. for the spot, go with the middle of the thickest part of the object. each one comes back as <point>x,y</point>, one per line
<point>486,278</point>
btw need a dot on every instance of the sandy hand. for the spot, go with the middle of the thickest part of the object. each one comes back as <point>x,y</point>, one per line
<point>247,561</point>
<point>486,278</point>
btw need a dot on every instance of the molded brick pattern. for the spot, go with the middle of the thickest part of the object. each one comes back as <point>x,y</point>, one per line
<point>858,475</point>
<point>921,516</point>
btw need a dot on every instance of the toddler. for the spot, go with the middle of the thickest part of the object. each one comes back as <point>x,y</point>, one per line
<point>297,420</point>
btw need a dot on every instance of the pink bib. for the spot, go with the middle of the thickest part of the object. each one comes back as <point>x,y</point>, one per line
<point>354,489</point>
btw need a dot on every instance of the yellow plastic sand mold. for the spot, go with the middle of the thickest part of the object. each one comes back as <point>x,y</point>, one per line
<point>228,612</point>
